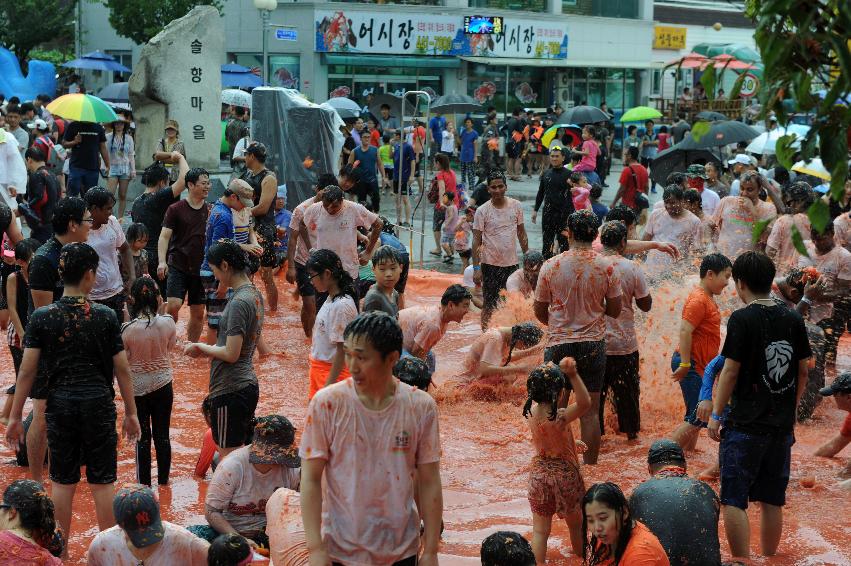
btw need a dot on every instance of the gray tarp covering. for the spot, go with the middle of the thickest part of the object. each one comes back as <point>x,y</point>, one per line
<point>303,139</point>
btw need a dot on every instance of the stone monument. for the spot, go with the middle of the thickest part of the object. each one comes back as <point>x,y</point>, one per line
<point>178,77</point>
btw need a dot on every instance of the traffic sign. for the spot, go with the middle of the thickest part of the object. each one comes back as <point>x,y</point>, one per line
<point>750,85</point>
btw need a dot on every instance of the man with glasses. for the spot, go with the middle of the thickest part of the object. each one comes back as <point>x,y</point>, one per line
<point>554,194</point>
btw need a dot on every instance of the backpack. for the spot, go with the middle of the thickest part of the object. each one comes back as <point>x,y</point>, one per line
<point>55,158</point>
<point>433,191</point>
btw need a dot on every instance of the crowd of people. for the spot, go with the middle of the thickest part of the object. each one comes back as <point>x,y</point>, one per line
<point>93,302</point>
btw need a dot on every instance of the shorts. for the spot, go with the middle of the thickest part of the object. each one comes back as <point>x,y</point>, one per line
<point>466,254</point>
<point>447,238</point>
<point>120,176</point>
<point>590,361</point>
<point>317,374</point>
<point>403,277</point>
<point>266,236</point>
<point>179,285</point>
<point>494,279</point>
<point>116,303</point>
<point>81,432</point>
<point>513,149</point>
<point>437,219</point>
<point>232,416</point>
<point>754,467</point>
<point>81,180</point>
<point>303,281</point>
<point>690,386</point>
<point>17,358</point>
<point>404,190</point>
<point>556,487</point>
<point>215,305</point>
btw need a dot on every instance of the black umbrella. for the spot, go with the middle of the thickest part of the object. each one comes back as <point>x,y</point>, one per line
<point>709,116</point>
<point>719,134</point>
<point>675,159</point>
<point>582,115</point>
<point>455,104</point>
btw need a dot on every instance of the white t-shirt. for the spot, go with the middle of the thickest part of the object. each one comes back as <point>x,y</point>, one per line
<point>499,232</point>
<point>709,201</point>
<point>339,233</point>
<point>179,546</point>
<point>331,321</point>
<point>240,492</point>
<point>447,144</point>
<point>239,148</point>
<point>106,240</point>
<point>468,276</point>
<point>147,344</point>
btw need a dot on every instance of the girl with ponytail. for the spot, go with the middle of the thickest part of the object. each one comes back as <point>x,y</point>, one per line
<point>492,352</point>
<point>148,339</point>
<point>555,483</point>
<point>327,360</point>
<point>28,533</point>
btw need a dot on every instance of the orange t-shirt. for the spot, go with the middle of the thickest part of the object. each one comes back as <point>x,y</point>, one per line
<point>702,313</point>
<point>643,549</point>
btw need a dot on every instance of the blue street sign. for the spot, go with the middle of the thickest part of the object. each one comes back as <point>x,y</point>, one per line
<point>286,34</point>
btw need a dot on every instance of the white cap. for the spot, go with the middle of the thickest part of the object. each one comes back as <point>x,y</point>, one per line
<point>741,158</point>
<point>38,124</point>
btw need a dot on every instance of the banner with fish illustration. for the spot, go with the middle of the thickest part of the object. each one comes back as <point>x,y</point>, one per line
<point>425,34</point>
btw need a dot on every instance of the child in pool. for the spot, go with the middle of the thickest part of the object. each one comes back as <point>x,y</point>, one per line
<point>492,352</point>
<point>555,483</point>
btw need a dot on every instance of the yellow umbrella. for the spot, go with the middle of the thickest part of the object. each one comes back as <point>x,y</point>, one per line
<point>813,167</point>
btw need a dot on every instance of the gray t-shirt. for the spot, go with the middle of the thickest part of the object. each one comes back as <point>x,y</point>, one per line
<point>376,300</point>
<point>243,316</point>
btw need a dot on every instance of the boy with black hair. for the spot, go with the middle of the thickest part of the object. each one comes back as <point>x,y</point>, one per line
<point>506,548</point>
<point>387,266</point>
<point>42,193</point>
<point>79,345</point>
<point>674,224</point>
<point>399,438</point>
<point>424,326</point>
<point>765,373</point>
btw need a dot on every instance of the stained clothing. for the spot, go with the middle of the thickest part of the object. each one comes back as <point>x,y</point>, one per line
<point>693,539</point>
<point>256,182</point>
<point>554,194</point>
<point>150,209</point>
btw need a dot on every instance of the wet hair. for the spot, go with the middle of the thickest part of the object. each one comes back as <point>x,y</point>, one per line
<point>749,176</point>
<point>413,371</point>
<point>494,175</point>
<point>575,177</point>
<point>25,249</point>
<point>154,174</point>
<point>450,195</point>
<point>455,294</point>
<point>691,196</point>
<point>623,213</point>
<point>326,260</point>
<point>13,108</point>
<point>583,225</point>
<point>194,175</point>
<point>75,260</point>
<point>527,333</point>
<point>631,129</point>
<point>386,253</point>
<point>136,231</point>
<point>795,278</point>
<point>610,495</point>
<point>675,179</point>
<point>144,295</point>
<point>596,191</point>
<point>229,549</point>
<point>532,258</point>
<point>801,192</point>
<point>325,180</point>
<point>663,130</point>
<point>506,548</point>
<point>35,509</point>
<point>781,175</point>
<point>380,329</point>
<point>672,191</point>
<point>386,138</point>
<point>332,194</point>
<point>98,197</point>
<point>613,233</point>
<point>34,153</point>
<point>756,270</point>
<point>545,384</point>
<point>67,209</point>
<point>632,153</point>
<point>715,263</point>
<point>231,252</point>
<point>442,160</point>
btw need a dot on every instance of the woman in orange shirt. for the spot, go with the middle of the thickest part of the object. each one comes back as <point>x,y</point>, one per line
<point>616,538</point>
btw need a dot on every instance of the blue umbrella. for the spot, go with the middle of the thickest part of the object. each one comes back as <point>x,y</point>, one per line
<point>234,75</point>
<point>97,61</point>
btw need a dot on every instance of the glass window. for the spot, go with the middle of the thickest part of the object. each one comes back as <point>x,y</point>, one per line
<point>525,5</point>
<point>527,87</point>
<point>615,8</point>
<point>486,84</point>
<point>356,82</point>
<point>126,59</point>
<point>406,2</point>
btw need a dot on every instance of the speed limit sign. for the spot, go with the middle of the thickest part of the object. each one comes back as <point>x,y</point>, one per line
<point>750,85</point>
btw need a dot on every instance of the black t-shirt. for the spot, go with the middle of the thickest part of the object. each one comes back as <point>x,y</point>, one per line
<point>42,193</point>
<point>554,193</point>
<point>683,514</point>
<point>149,209</point>
<point>87,154</point>
<point>44,271</point>
<point>77,339</point>
<point>256,182</point>
<point>768,342</point>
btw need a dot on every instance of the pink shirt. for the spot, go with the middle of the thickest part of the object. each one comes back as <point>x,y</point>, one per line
<point>581,198</point>
<point>499,232</point>
<point>489,348</point>
<point>735,225</point>
<point>148,343</point>
<point>575,284</point>
<point>421,326</point>
<point>517,283</point>
<point>835,267</point>
<point>842,230</point>
<point>179,546</point>
<point>338,233</point>
<point>780,239</point>
<point>368,516</point>
<point>588,162</point>
<point>287,542</point>
<point>620,332</point>
<point>301,251</point>
<point>685,232</point>
<point>16,551</point>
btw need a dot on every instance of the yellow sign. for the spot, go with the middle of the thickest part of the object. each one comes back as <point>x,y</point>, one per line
<point>666,37</point>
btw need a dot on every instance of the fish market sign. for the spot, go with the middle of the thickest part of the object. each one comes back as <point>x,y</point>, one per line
<point>423,34</point>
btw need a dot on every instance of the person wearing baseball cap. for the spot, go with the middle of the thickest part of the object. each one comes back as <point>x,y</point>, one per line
<point>670,492</point>
<point>246,479</point>
<point>840,390</point>
<point>739,164</point>
<point>168,144</point>
<point>696,178</point>
<point>142,537</point>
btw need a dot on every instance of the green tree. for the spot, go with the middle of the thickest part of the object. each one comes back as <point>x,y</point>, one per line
<point>26,24</point>
<point>140,21</point>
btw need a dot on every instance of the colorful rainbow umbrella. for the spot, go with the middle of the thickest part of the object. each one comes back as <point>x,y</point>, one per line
<point>82,108</point>
<point>573,132</point>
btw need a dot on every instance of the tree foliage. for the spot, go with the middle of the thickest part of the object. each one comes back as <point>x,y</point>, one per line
<point>804,47</point>
<point>140,21</point>
<point>26,24</point>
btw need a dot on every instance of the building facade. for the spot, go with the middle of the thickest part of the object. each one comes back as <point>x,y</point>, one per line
<point>565,51</point>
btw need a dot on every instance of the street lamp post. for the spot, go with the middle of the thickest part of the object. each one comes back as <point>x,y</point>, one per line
<point>266,8</point>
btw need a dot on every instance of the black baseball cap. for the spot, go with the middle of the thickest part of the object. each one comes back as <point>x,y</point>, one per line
<point>842,384</point>
<point>137,512</point>
<point>665,451</point>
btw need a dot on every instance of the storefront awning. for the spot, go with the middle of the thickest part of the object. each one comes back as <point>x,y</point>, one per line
<point>392,61</point>
<point>556,63</point>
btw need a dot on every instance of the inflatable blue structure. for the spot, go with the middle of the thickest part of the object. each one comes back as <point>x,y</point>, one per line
<point>40,80</point>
